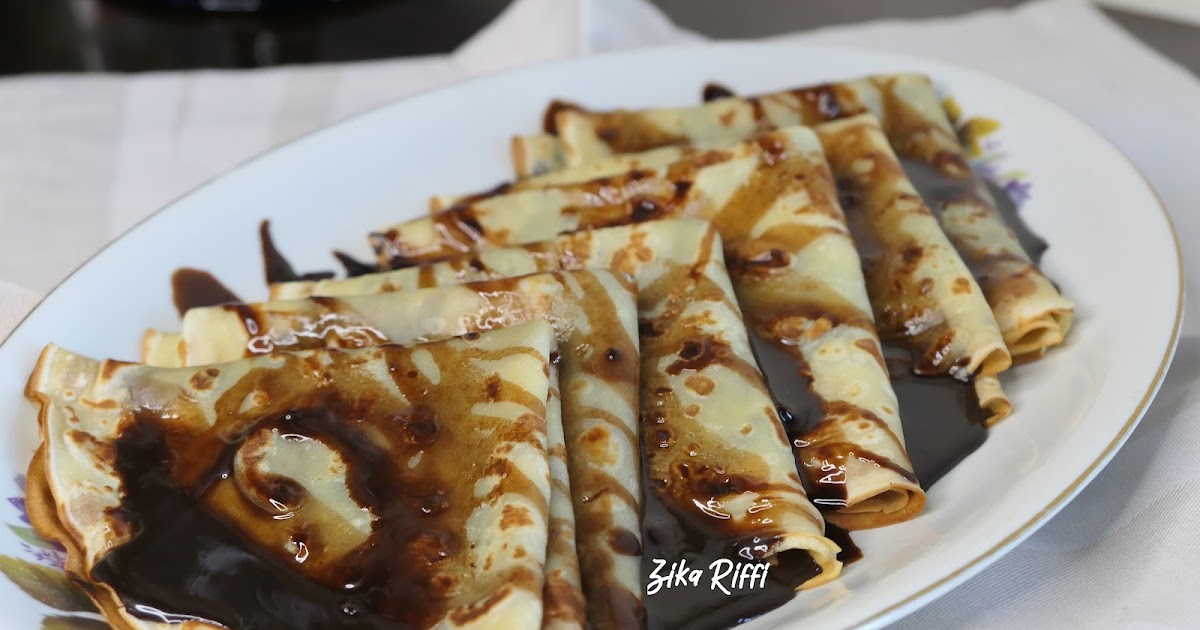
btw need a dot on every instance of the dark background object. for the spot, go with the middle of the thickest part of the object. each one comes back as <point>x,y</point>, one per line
<point>136,35</point>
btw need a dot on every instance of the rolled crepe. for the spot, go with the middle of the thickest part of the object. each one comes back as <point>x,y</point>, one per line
<point>796,271</point>
<point>914,119</point>
<point>992,399</point>
<point>614,166</point>
<point>693,185</point>
<point>922,290</point>
<point>799,279</point>
<point>1032,314</point>
<point>595,316</point>
<point>323,488</point>
<point>705,405</point>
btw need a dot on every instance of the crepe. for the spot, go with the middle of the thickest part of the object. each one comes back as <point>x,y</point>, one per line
<point>799,279</point>
<point>795,270</point>
<point>595,317</point>
<point>698,181</point>
<point>1031,312</point>
<point>537,154</point>
<point>333,488</point>
<point>922,290</point>
<point>689,317</point>
<point>614,166</point>
<point>992,400</point>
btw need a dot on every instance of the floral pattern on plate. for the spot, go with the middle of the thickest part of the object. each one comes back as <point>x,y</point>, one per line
<point>986,151</point>
<point>40,573</point>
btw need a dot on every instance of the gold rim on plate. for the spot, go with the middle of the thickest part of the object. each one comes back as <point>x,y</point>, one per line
<point>1085,477</point>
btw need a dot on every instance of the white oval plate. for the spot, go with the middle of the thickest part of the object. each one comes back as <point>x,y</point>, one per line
<point>1112,250</point>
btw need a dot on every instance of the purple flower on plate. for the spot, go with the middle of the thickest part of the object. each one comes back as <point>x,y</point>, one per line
<point>990,145</point>
<point>56,558</point>
<point>986,170</point>
<point>45,552</point>
<point>1018,191</point>
<point>19,503</point>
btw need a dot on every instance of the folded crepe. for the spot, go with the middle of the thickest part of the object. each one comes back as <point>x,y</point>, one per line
<point>785,296</point>
<point>697,182</point>
<point>795,270</point>
<point>705,405</point>
<point>988,391</point>
<point>332,488</point>
<point>594,314</point>
<point>921,289</point>
<point>1031,312</point>
<point>613,166</point>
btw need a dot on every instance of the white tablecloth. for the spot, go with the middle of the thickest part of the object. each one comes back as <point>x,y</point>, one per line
<point>82,158</point>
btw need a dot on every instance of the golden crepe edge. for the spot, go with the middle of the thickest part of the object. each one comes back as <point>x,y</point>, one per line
<point>55,363</point>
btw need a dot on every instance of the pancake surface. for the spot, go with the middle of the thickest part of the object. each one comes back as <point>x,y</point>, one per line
<point>330,488</point>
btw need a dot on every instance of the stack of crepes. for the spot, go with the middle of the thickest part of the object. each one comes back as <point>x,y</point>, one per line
<point>471,434</point>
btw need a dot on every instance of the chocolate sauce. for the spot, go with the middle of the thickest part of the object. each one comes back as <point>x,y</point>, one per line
<point>941,416</point>
<point>220,574</point>
<point>196,288</point>
<point>937,189</point>
<point>714,91</point>
<point>550,116</point>
<point>943,422</point>
<point>216,574</point>
<point>667,536</point>
<point>353,266</point>
<point>1031,242</point>
<point>275,266</point>
<point>850,552</point>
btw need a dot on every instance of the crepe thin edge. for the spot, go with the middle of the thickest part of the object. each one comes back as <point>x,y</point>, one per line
<point>992,399</point>
<point>896,500</point>
<point>870,514</point>
<point>1031,340</point>
<point>52,525</point>
<point>562,594</point>
<point>536,154</point>
<point>163,349</point>
<point>45,522</point>
<point>49,523</point>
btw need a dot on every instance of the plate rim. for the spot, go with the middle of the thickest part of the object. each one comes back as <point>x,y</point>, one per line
<point>914,602</point>
<point>966,570</point>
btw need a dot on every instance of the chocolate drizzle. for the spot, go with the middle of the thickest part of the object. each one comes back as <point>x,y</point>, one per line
<point>668,536</point>
<point>458,232</point>
<point>219,575</point>
<point>276,268</point>
<point>214,535</point>
<point>196,288</point>
<point>850,552</point>
<point>942,419</point>
<point>550,117</point>
<point>714,91</point>
<point>353,266</point>
<point>939,189</point>
<point>943,422</point>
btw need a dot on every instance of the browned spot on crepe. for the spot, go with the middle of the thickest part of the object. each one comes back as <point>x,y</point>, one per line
<point>302,403</point>
<point>626,132</point>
